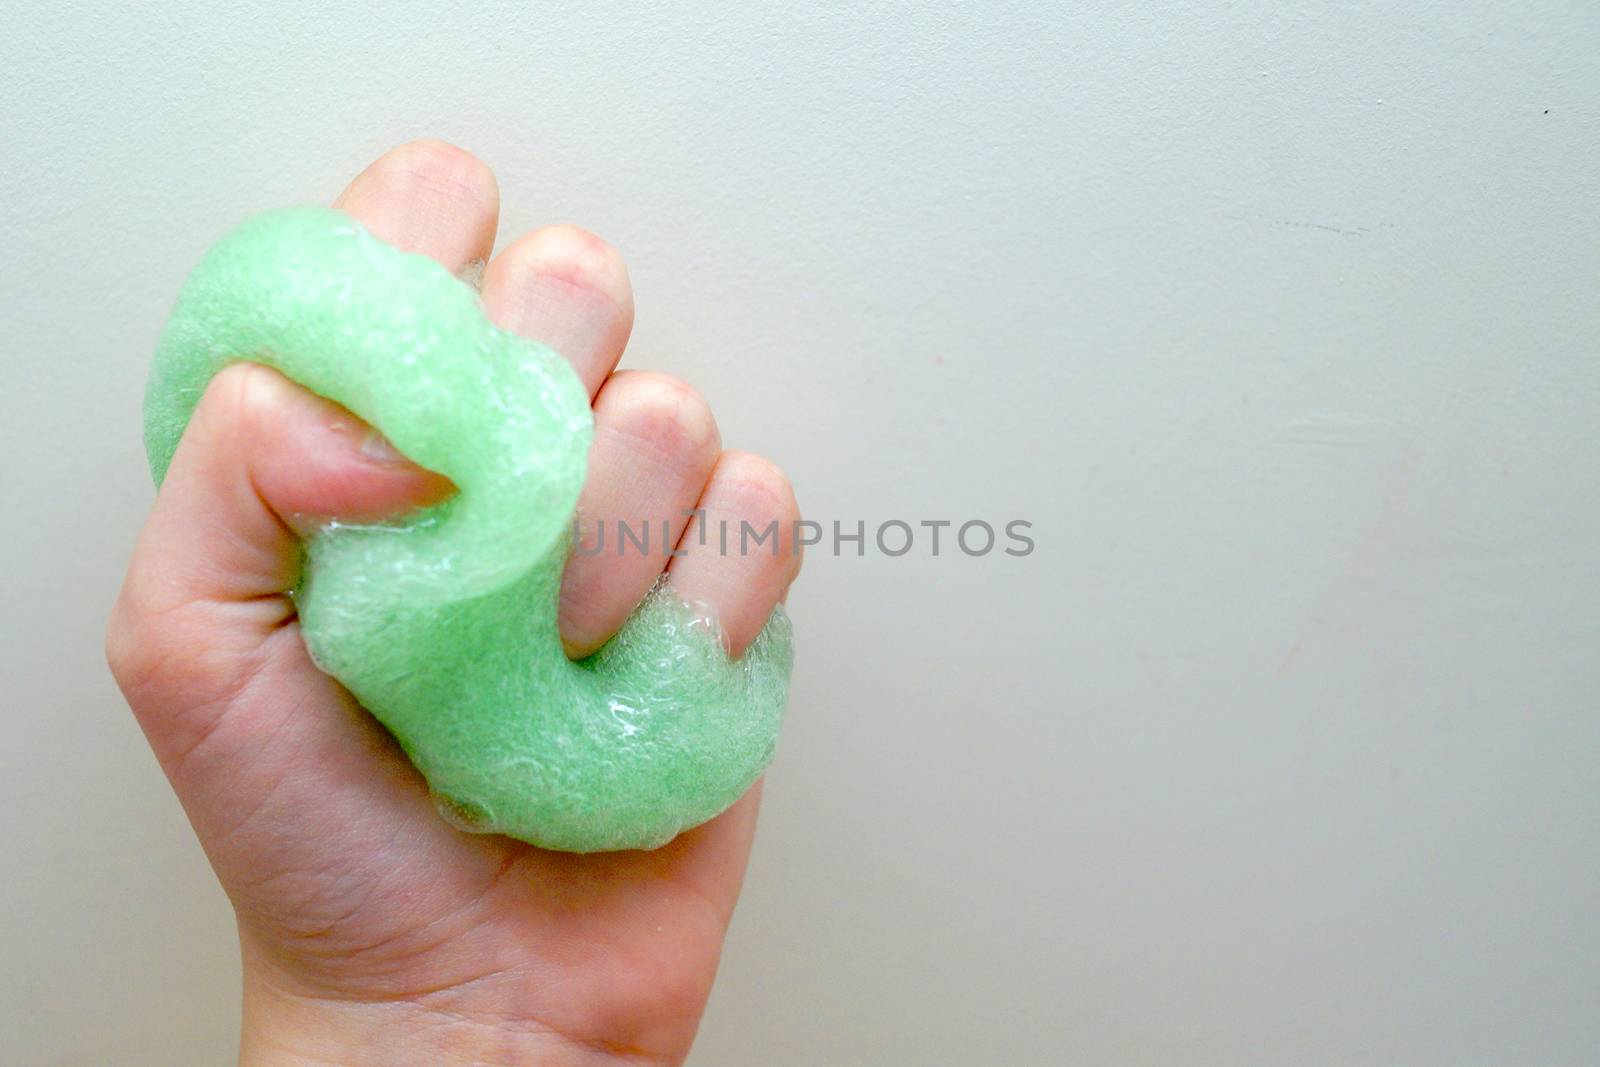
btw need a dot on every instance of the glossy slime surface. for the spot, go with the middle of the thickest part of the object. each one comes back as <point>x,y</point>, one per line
<point>443,623</point>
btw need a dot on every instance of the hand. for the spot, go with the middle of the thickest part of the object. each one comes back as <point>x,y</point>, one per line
<point>371,931</point>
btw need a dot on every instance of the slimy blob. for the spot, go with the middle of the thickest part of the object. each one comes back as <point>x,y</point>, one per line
<point>443,623</point>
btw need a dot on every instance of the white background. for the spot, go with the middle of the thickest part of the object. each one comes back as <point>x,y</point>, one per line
<point>1278,321</point>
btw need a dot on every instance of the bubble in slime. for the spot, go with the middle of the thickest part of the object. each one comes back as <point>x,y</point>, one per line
<point>443,623</point>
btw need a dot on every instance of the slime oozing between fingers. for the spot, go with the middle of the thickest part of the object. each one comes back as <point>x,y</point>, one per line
<point>444,624</point>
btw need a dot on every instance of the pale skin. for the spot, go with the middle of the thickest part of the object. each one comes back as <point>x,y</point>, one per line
<point>371,931</point>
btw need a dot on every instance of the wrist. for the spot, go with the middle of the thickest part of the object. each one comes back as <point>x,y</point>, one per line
<point>282,1028</point>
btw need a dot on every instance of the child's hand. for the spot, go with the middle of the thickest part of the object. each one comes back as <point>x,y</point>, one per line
<point>371,931</point>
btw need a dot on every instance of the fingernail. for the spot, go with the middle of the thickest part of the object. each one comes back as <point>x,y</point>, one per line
<point>377,448</point>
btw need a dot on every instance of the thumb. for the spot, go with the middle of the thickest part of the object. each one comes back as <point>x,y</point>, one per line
<point>262,463</point>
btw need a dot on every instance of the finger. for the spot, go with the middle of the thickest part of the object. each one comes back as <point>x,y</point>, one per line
<point>568,289</point>
<point>430,198</point>
<point>260,460</point>
<point>739,552</point>
<point>655,444</point>
<point>255,740</point>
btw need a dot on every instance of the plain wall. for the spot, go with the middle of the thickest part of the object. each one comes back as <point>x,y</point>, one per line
<point>1279,323</point>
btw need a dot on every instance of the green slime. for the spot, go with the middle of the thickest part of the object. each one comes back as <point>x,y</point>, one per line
<point>443,623</point>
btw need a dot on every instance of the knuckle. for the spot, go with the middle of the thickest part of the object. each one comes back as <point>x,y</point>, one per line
<point>576,257</point>
<point>236,406</point>
<point>667,412</point>
<point>231,396</point>
<point>145,660</point>
<point>755,486</point>
<point>438,168</point>
<point>134,644</point>
<point>175,682</point>
<point>756,490</point>
<point>126,654</point>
